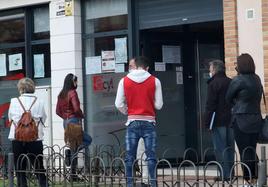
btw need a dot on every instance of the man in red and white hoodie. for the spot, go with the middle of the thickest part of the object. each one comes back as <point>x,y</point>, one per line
<point>138,95</point>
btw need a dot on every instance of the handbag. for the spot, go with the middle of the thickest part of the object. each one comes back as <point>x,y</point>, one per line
<point>73,134</point>
<point>263,134</point>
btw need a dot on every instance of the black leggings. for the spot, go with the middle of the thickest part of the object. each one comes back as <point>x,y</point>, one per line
<point>33,149</point>
<point>246,143</point>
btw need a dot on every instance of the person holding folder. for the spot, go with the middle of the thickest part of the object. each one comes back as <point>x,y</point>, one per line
<point>218,117</point>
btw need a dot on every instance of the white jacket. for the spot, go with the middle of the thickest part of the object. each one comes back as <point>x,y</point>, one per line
<point>15,112</point>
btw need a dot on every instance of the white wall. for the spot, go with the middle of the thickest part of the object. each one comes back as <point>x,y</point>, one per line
<point>66,57</point>
<point>44,93</point>
<point>250,34</point>
<point>8,4</point>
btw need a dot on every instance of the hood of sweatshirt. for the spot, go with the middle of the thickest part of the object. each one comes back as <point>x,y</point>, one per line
<point>138,75</point>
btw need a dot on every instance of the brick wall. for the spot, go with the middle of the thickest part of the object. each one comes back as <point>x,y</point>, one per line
<point>230,35</point>
<point>265,42</point>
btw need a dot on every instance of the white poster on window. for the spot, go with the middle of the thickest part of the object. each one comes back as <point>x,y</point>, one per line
<point>171,54</point>
<point>15,62</point>
<point>3,65</point>
<point>120,50</point>
<point>108,61</point>
<point>159,66</point>
<point>179,77</point>
<point>119,68</point>
<point>39,66</point>
<point>93,65</point>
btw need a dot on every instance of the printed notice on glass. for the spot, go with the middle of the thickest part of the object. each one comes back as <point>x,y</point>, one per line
<point>171,54</point>
<point>179,77</point>
<point>120,50</point>
<point>15,62</point>
<point>119,68</point>
<point>108,61</point>
<point>39,66</point>
<point>93,65</point>
<point>159,66</point>
<point>3,65</point>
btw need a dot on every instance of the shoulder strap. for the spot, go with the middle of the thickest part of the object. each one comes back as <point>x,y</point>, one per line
<point>21,105</point>
<point>35,98</point>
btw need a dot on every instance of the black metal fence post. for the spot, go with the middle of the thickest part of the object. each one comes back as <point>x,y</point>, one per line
<point>11,169</point>
<point>262,165</point>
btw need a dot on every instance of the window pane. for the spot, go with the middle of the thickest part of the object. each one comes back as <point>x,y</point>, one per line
<point>41,23</point>
<point>105,15</point>
<point>94,46</point>
<point>106,24</point>
<point>12,30</point>
<point>105,8</point>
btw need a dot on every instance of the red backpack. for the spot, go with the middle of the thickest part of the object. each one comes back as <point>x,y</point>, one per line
<point>26,129</point>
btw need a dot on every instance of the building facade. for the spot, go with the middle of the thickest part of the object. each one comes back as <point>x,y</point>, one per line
<point>94,39</point>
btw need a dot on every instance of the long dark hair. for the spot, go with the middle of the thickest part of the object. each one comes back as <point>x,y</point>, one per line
<point>245,64</point>
<point>68,85</point>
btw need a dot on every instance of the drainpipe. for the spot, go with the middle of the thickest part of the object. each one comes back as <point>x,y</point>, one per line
<point>262,172</point>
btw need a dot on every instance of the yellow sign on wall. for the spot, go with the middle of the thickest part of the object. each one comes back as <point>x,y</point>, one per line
<point>68,7</point>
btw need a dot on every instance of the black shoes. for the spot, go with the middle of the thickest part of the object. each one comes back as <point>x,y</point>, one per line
<point>68,156</point>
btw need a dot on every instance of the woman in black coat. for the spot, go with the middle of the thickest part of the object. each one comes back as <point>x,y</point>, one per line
<point>244,93</point>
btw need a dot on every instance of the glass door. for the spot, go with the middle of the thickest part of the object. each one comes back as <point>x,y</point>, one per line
<point>205,52</point>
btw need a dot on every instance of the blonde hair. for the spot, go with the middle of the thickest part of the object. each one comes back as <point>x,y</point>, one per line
<point>26,85</point>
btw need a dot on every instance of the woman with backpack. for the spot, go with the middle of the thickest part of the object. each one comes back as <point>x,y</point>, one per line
<point>27,115</point>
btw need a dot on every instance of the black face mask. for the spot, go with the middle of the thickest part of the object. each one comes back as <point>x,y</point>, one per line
<point>236,69</point>
<point>75,86</point>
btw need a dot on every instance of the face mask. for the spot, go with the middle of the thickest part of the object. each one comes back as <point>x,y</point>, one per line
<point>130,70</point>
<point>210,74</point>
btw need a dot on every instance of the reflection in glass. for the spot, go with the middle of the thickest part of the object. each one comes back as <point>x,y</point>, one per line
<point>106,24</point>
<point>41,23</point>
<point>105,15</point>
<point>41,19</point>
<point>12,30</point>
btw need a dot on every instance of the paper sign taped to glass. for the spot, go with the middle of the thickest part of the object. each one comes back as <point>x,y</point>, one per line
<point>39,68</point>
<point>3,68</point>
<point>108,61</point>
<point>93,65</point>
<point>120,50</point>
<point>15,62</point>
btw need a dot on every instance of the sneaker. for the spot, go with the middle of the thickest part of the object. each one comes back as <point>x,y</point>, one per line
<point>218,178</point>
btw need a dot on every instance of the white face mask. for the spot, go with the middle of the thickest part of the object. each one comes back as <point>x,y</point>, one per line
<point>210,74</point>
<point>130,70</point>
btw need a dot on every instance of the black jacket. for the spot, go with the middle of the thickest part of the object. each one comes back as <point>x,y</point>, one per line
<point>244,93</point>
<point>216,92</point>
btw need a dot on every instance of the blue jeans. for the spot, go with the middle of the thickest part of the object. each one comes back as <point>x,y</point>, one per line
<point>135,131</point>
<point>223,142</point>
<point>86,137</point>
